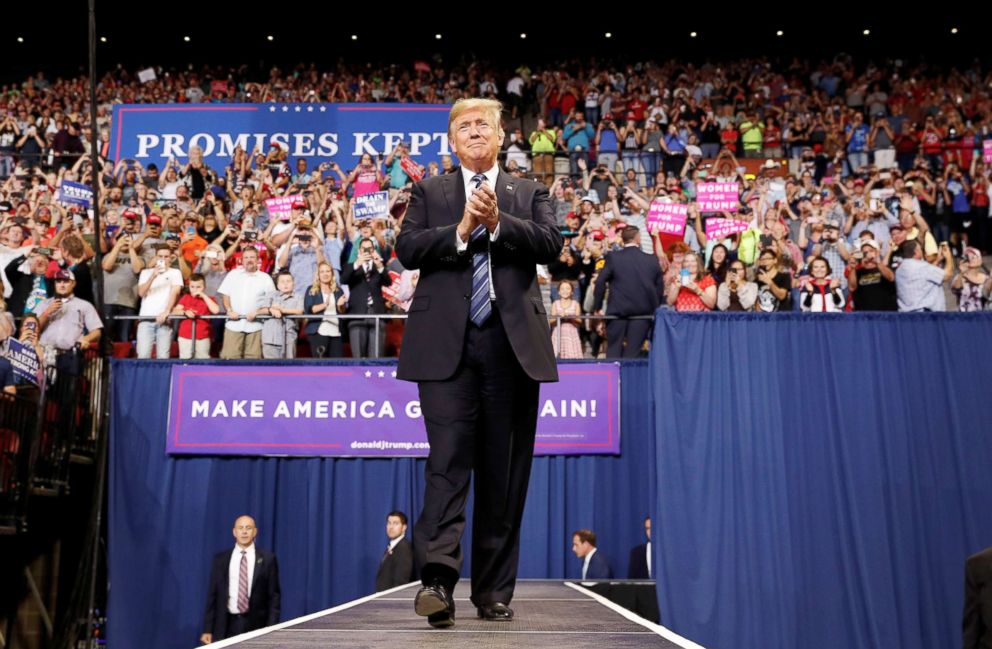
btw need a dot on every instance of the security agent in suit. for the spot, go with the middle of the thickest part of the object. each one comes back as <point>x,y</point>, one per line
<point>977,623</point>
<point>244,587</point>
<point>594,564</point>
<point>365,279</point>
<point>478,344</point>
<point>396,566</point>
<point>640,566</point>
<point>636,286</point>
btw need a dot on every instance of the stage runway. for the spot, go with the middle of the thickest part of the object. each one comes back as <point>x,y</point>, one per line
<point>547,614</point>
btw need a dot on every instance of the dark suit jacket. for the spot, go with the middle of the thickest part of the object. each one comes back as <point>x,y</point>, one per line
<point>439,312</point>
<point>20,285</point>
<point>263,600</point>
<point>396,568</point>
<point>599,567</point>
<point>361,285</point>
<point>309,301</point>
<point>635,280</point>
<point>977,624</point>
<point>638,566</point>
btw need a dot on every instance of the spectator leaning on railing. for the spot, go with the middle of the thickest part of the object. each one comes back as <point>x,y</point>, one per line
<point>194,334</point>
<point>158,286</point>
<point>919,283</point>
<point>242,292</point>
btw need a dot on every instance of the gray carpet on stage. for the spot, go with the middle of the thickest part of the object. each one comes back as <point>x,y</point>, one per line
<point>547,614</point>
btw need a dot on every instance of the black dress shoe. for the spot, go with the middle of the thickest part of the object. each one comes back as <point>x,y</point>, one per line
<point>442,620</point>
<point>498,612</point>
<point>435,603</point>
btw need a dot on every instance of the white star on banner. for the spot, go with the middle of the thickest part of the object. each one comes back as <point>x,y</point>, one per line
<point>297,109</point>
<point>322,109</point>
<point>285,109</point>
<point>272,109</point>
<point>381,374</point>
<point>393,373</point>
<point>309,109</point>
<point>368,374</point>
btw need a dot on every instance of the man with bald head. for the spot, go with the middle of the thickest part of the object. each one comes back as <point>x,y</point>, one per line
<point>244,587</point>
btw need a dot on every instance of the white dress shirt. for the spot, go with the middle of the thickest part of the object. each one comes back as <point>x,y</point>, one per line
<point>585,565</point>
<point>650,574</point>
<point>462,246</point>
<point>393,543</point>
<point>233,573</point>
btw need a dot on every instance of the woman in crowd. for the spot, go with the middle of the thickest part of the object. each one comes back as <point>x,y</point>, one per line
<point>821,294</point>
<point>692,289</point>
<point>971,285</point>
<point>325,299</point>
<point>719,262</point>
<point>565,323</point>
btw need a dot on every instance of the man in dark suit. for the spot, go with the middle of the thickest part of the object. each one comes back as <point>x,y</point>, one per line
<point>594,564</point>
<point>478,344</point>
<point>244,587</point>
<point>640,557</point>
<point>636,286</point>
<point>365,279</point>
<point>977,626</point>
<point>396,566</point>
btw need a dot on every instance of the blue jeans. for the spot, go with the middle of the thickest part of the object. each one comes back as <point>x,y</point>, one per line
<point>856,160</point>
<point>573,162</point>
<point>649,160</point>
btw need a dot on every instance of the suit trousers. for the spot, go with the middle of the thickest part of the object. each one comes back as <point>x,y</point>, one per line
<point>624,338</point>
<point>236,625</point>
<point>480,420</point>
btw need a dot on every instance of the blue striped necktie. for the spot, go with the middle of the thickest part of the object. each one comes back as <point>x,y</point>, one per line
<point>480,306</point>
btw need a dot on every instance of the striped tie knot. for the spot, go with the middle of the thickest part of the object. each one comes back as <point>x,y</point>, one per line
<point>479,306</point>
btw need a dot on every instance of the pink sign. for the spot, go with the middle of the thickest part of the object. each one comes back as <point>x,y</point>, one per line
<point>667,218</point>
<point>722,228</point>
<point>987,151</point>
<point>281,206</point>
<point>717,197</point>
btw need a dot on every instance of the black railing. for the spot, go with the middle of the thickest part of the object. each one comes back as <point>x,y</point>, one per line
<point>19,418</point>
<point>204,320</point>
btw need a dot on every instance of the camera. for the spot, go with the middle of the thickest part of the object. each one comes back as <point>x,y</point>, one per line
<point>251,235</point>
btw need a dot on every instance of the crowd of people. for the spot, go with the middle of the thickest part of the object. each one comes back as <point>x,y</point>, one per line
<point>870,192</point>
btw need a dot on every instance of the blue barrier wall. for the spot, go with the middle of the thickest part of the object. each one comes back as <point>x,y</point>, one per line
<point>821,479</point>
<point>324,518</point>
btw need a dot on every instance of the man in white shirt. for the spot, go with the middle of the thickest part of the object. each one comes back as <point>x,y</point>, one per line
<point>158,288</point>
<point>241,290</point>
<point>244,592</point>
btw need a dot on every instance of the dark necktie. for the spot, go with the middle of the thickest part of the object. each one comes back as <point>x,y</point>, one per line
<point>480,306</point>
<point>243,583</point>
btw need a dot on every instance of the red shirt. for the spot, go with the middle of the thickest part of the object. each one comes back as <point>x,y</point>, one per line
<point>264,262</point>
<point>198,306</point>
<point>637,107</point>
<point>687,299</point>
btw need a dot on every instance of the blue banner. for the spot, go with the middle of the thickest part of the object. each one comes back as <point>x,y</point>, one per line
<point>316,132</point>
<point>71,193</point>
<point>24,360</point>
